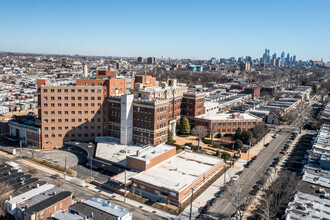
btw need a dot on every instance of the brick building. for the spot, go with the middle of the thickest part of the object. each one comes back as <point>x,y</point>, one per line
<point>94,107</point>
<point>254,91</point>
<point>227,123</point>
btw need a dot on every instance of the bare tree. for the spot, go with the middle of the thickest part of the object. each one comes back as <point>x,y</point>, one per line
<point>4,188</point>
<point>199,131</point>
<point>239,198</point>
<point>278,195</point>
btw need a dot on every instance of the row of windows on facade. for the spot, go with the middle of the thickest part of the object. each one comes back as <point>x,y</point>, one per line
<point>72,112</point>
<point>72,120</point>
<point>72,105</point>
<point>73,98</point>
<point>234,124</point>
<point>74,90</point>
<point>229,130</point>
<point>74,135</point>
<point>73,127</point>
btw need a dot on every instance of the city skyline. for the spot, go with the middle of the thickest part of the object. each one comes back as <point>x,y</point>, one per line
<point>171,29</point>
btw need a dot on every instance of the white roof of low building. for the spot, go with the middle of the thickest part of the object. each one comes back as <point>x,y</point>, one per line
<point>307,206</point>
<point>107,207</point>
<point>31,193</point>
<point>148,153</point>
<point>242,116</point>
<point>178,172</point>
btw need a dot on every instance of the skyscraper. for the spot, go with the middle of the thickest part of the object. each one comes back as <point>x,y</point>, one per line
<point>282,58</point>
<point>287,60</point>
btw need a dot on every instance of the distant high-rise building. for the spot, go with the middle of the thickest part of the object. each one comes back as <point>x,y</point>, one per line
<point>85,71</point>
<point>278,62</point>
<point>152,60</point>
<point>282,58</point>
<point>294,60</point>
<point>248,59</point>
<point>266,57</point>
<point>140,59</point>
<point>274,56</point>
<point>287,60</point>
<point>213,61</point>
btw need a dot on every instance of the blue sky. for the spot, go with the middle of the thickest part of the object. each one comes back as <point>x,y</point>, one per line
<point>171,28</point>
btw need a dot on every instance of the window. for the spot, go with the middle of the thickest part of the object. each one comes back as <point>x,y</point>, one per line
<point>79,112</point>
<point>73,98</point>
<point>46,121</point>
<point>60,128</point>
<point>53,128</point>
<point>86,112</point>
<point>73,120</point>
<point>79,104</point>
<point>92,98</point>
<point>66,90</point>
<point>79,120</point>
<point>66,105</point>
<point>46,128</point>
<point>86,104</point>
<point>92,104</point>
<point>46,136</point>
<point>79,90</point>
<point>59,112</point>
<point>52,98</point>
<point>52,112</point>
<point>73,105</point>
<point>45,98</point>
<point>66,112</point>
<point>45,90</point>
<point>86,98</point>
<point>66,98</point>
<point>86,84</point>
<point>59,98</point>
<point>66,128</point>
<point>72,91</point>
<point>92,91</point>
<point>79,135</point>
<point>59,120</point>
<point>98,98</point>
<point>60,135</point>
<point>52,105</point>
<point>52,90</point>
<point>86,135</point>
<point>45,105</point>
<point>99,91</point>
<point>59,90</point>
<point>66,120</point>
<point>59,104</point>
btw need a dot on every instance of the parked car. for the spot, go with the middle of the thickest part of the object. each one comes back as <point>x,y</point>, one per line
<point>235,177</point>
<point>212,201</point>
<point>266,145</point>
<point>255,157</point>
<point>206,208</point>
<point>283,152</point>
<point>275,135</point>
<point>219,194</point>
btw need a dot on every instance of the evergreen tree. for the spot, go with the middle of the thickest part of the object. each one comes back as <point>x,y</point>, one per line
<point>184,126</point>
<point>238,134</point>
<point>169,136</point>
<point>238,144</point>
<point>246,137</point>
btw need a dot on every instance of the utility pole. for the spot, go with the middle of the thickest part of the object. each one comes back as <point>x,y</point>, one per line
<point>212,132</point>
<point>91,166</point>
<point>125,187</point>
<point>191,201</point>
<point>64,167</point>
<point>224,177</point>
<point>20,146</point>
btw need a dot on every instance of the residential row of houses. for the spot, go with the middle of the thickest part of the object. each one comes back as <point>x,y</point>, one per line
<point>28,198</point>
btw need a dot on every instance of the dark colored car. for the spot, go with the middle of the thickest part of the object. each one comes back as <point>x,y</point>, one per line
<point>255,157</point>
<point>212,201</point>
<point>218,194</point>
<point>206,208</point>
<point>266,145</point>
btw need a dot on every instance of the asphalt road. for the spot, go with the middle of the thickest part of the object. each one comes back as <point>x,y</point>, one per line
<point>223,207</point>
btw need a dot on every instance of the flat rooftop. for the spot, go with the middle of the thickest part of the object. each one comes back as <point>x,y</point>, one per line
<point>178,172</point>
<point>242,116</point>
<point>114,152</point>
<point>148,153</point>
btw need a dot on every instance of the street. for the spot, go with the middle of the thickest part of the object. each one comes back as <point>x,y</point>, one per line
<point>250,176</point>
